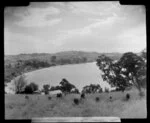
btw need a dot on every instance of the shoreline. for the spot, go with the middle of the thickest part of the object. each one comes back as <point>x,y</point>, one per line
<point>48,67</point>
<point>9,84</point>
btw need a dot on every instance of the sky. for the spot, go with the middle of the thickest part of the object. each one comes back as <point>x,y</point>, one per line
<point>49,27</point>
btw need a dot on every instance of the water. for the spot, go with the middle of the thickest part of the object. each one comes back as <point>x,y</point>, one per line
<point>77,74</point>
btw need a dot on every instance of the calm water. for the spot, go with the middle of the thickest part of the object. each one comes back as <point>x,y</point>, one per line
<point>78,74</point>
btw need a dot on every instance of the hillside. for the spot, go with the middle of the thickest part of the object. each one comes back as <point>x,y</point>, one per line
<point>91,56</point>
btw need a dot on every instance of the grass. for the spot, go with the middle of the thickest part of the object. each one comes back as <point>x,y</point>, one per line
<point>17,107</point>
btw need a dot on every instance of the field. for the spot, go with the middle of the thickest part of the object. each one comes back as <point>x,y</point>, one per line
<point>17,107</point>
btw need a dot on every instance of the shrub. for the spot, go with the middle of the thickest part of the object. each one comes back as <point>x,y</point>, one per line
<point>97,99</point>
<point>110,97</point>
<point>26,97</point>
<point>59,95</point>
<point>82,96</point>
<point>46,88</point>
<point>106,90</point>
<point>29,89</point>
<point>49,97</point>
<point>76,101</point>
<point>127,96</point>
<point>141,94</point>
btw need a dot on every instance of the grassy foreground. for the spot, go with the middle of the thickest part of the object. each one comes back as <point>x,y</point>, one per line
<point>17,107</point>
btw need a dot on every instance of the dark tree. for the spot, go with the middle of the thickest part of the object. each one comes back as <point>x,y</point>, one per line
<point>123,73</point>
<point>135,68</point>
<point>66,86</point>
<point>55,88</point>
<point>46,88</point>
<point>29,89</point>
<point>92,88</point>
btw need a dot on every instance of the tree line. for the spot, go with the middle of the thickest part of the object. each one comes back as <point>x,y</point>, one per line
<point>20,86</point>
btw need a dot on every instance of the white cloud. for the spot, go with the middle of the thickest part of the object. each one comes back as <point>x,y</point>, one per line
<point>37,17</point>
<point>94,8</point>
<point>85,31</point>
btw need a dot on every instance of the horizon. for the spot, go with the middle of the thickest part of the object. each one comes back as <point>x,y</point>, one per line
<point>52,27</point>
<point>69,51</point>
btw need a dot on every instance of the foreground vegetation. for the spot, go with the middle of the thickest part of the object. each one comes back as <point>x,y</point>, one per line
<point>19,107</point>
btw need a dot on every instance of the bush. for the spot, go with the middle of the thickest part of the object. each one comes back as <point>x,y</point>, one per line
<point>46,89</point>
<point>29,89</point>
<point>82,96</point>
<point>127,96</point>
<point>97,99</point>
<point>26,97</point>
<point>106,90</point>
<point>49,97</point>
<point>59,95</point>
<point>110,97</point>
<point>76,101</point>
<point>141,94</point>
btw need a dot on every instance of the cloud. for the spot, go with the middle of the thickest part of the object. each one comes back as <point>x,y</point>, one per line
<point>38,22</point>
<point>36,17</point>
<point>99,26</point>
<point>64,35</point>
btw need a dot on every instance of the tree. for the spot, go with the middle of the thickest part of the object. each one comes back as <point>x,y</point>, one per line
<point>106,90</point>
<point>19,84</point>
<point>123,73</point>
<point>66,86</point>
<point>53,59</point>
<point>55,88</point>
<point>135,67</point>
<point>75,90</point>
<point>92,88</point>
<point>143,53</point>
<point>84,59</point>
<point>29,89</point>
<point>46,88</point>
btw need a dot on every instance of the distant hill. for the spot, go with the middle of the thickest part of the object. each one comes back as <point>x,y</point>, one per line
<point>90,56</point>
